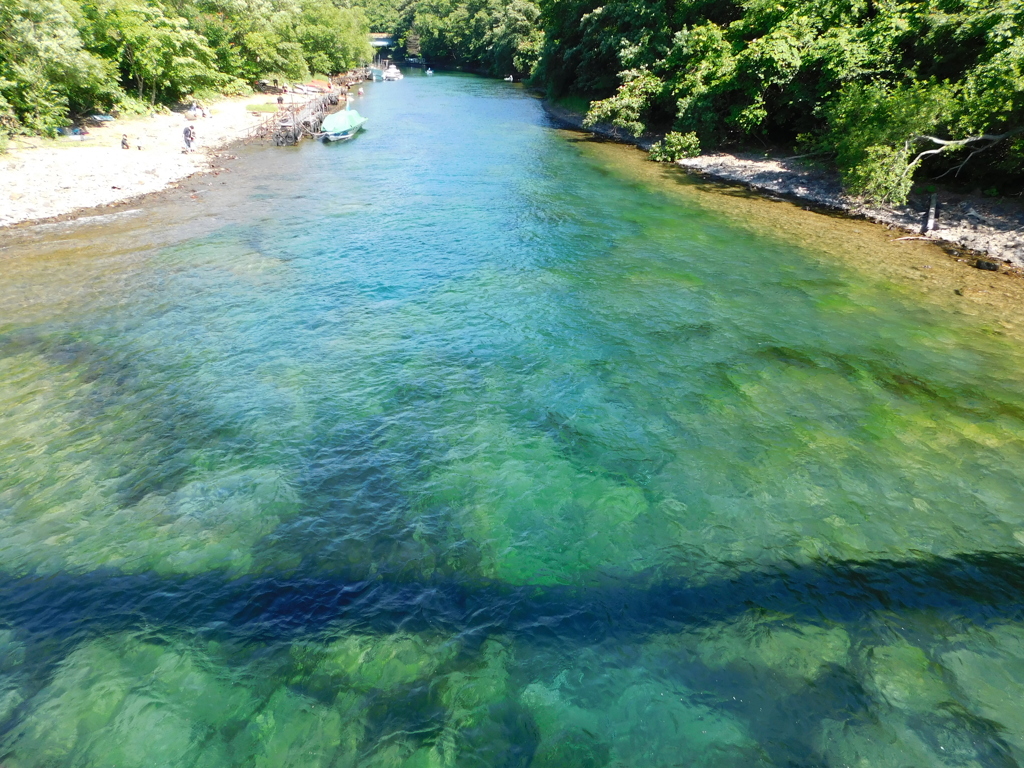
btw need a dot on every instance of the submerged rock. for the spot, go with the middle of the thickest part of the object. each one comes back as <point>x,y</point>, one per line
<point>130,703</point>
<point>484,725</point>
<point>798,652</point>
<point>572,748</point>
<point>989,669</point>
<point>903,676</point>
<point>536,517</point>
<point>654,725</point>
<point>12,655</point>
<point>365,662</point>
<point>292,730</point>
<point>890,744</point>
<point>638,720</point>
<point>568,733</point>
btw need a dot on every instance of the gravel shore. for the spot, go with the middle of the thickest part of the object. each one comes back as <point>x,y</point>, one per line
<point>993,227</point>
<point>43,179</point>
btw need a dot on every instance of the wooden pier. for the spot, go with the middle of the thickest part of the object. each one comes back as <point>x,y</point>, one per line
<point>293,122</point>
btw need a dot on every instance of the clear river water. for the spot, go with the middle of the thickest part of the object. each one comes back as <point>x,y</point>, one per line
<point>476,443</point>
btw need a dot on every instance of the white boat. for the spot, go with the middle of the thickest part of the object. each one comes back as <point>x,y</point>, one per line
<point>429,71</point>
<point>342,126</point>
<point>393,73</point>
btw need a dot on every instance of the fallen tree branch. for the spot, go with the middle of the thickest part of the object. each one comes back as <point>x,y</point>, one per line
<point>945,144</point>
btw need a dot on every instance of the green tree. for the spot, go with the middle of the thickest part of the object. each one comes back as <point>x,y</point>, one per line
<point>333,39</point>
<point>891,88</point>
<point>516,40</point>
<point>45,70</point>
<point>159,54</point>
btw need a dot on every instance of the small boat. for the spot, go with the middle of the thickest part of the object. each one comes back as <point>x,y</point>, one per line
<point>342,126</point>
<point>393,73</point>
<point>429,71</point>
<point>510,79</point>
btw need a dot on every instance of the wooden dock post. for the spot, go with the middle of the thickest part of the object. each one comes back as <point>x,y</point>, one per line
<point>929,225</point>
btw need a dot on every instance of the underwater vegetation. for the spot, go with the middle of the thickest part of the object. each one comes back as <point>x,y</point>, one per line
<point>576,471</point>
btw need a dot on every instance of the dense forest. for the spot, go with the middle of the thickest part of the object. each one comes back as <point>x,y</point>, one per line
<point>62,58</point>
<point>885,87</point>
<point>888,90</point>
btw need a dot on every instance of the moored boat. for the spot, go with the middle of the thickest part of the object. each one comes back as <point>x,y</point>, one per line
<point>341,126</point>
<point>393,73</point>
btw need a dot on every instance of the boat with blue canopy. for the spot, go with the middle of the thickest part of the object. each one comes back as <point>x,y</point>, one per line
<point>341,126</point>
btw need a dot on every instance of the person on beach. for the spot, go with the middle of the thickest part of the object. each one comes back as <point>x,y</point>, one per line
<point>124,141</point>
<point>190,136</point>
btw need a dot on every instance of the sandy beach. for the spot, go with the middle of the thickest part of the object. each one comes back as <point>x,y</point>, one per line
<point>42,178</point>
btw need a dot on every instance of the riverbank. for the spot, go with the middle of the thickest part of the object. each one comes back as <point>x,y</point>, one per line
<point>994,228</point>
<point>44,179</point>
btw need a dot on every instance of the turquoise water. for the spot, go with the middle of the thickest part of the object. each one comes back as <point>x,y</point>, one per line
<point>471,443</point>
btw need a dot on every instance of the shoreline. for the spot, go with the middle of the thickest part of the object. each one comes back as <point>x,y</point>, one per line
<point>104,176</point>
<point>981,228</point>
<point>49,181</point>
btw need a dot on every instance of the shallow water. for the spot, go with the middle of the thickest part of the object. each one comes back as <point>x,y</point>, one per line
<point>473,443</point>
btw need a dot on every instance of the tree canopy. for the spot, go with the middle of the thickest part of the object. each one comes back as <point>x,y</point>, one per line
<point>885,87</point>
<point>890,90</point>
<point>500,37</point>
<point>60,58</point>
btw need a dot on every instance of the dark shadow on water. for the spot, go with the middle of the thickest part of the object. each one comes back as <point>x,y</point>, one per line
<point>56,612</point>
<point>979,588</point>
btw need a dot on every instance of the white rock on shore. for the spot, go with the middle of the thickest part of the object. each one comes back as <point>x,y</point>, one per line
<point>969,221</point>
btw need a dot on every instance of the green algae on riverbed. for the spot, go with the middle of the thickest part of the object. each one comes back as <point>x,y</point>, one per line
<point>505,451</point>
